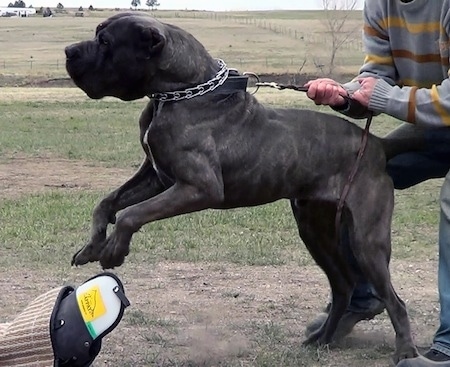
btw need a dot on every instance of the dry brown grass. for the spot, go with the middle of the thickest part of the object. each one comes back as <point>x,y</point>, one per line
<point>265,42</point>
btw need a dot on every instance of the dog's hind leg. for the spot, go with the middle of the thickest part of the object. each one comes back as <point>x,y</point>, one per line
<point>371,246</point>
<point>315,222</point>
<point>141,186</point>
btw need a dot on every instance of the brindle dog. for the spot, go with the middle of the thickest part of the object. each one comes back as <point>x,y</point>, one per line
<point>222,149</point>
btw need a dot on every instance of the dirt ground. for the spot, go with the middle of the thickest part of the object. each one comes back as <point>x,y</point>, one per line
<point>22,175</point>
<point>218,314</point>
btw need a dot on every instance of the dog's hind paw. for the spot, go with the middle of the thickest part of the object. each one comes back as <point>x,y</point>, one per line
<point>316,338</point>
<point>405,352</point>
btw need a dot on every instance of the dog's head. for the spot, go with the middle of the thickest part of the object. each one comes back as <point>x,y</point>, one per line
<point>133,55</point>
<point>119,60</point>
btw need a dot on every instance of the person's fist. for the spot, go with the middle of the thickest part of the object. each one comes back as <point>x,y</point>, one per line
<point>364,93</point>
<point>325,91</point>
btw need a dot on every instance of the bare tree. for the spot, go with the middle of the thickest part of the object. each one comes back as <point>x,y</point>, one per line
<point>135,3</point>
<point>320,66</point>
<point>298,77</point>
<point>152,4</point>
<point>337,15</point>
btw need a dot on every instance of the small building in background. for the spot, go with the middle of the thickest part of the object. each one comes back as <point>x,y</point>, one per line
<point>16,12</point>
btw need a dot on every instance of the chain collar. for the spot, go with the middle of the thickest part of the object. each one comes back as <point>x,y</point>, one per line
<point>199,90</point>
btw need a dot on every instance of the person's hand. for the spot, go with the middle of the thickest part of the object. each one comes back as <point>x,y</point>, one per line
<point>364,93</point>
<point>325,91</point>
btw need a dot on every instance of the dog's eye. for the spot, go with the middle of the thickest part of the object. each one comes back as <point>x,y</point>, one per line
<point>102,40</point>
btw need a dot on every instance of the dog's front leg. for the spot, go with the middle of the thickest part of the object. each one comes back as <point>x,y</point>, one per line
<point>141,186</point>
<point>178,199</point>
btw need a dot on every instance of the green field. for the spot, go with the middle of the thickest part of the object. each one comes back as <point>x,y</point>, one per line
<point>215,288</point>
<point>72,126</point>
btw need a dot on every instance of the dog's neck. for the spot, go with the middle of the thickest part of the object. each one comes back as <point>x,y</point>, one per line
<point>200,89</point>
<point>187,65</point>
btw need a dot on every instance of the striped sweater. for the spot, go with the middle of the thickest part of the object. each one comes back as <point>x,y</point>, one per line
<point>407,47</point>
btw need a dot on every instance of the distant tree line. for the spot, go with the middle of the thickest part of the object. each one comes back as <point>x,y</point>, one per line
<point>91,8</point>
<point>153,4</point>
<point>17,4</point>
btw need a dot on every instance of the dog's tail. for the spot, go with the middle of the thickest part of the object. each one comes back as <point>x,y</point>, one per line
<point>397,145</point>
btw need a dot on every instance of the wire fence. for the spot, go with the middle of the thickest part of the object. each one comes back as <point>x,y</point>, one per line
<point>31,64</point>
<point>262,65</point>
<point>353,42</point>
<point>59,64</point>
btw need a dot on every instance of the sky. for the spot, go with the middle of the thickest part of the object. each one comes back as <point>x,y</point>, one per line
<point>224,5</point>
<point>214,5</point>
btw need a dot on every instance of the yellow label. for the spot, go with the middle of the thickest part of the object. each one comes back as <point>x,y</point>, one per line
<point>91,304</point>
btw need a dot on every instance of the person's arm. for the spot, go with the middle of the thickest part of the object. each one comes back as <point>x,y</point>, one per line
<point>378,61</point>
<point>421,106</point>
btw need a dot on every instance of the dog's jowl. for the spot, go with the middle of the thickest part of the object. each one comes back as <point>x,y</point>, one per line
<point>210,144</point>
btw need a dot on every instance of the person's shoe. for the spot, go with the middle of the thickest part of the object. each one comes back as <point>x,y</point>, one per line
<point>432,358</point>
<point>350,318</point>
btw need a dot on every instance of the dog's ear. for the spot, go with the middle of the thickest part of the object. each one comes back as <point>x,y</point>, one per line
<point>153,38</point>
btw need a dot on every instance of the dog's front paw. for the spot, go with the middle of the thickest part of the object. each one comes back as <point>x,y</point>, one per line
<point>91,251</point>
<point>115,250</point>
<point>81,257</point>
<point>103,215</point>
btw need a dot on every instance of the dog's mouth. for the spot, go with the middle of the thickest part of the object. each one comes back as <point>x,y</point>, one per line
<point>80,68</point>
<point>93,70</point>
<point>81,80</point>
<point>74,60</point>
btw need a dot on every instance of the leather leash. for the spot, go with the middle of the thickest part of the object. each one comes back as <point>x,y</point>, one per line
<point>355,167</point>
<point>346,189</point>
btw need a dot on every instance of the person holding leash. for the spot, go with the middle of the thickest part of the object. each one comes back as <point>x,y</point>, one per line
<point>405,75</point>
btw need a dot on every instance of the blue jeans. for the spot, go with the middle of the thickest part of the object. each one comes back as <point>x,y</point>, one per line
<point>407,170</point>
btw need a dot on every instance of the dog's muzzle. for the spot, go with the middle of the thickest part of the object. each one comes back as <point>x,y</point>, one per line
<point>72,52</point>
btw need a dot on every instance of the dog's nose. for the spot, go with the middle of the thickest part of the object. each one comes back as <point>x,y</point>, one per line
<point>72,52</point>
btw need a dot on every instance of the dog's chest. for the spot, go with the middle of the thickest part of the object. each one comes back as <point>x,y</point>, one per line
<point>163,177</point>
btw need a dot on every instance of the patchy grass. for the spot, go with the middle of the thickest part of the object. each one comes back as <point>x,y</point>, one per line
<point>74,129</point>
<point>54,225</point>
<point>216,288</point>
<point>105,132</point>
